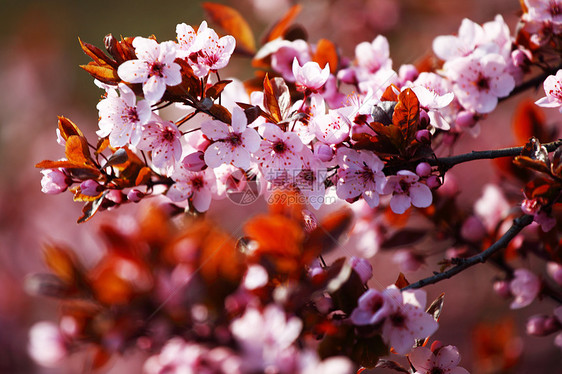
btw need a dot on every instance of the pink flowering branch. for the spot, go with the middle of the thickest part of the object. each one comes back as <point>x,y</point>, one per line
<point>464,263</point>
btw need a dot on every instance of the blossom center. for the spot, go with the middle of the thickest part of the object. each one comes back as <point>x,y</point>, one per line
<point>280,147</point>
<point>131,115</point>
<point>197,183</point>
<point>483,83</point>
<point>168,135</point>
<point>554,9</point>
<point>367,174</point>
<point>156,69</point>
<point>398,320</point>
<point>235,140</point>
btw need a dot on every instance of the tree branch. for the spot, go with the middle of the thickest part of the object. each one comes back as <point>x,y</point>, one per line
<point>532,83</point>
<point>518,225</point>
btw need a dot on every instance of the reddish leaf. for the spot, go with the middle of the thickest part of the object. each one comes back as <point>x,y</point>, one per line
<point>401,282</point>
<point>390,93</point>
<point>529,163</point>
<point>529,120</point>
<point>61,261</point>
<point>234,24</point>
<point>326,53</point>
<point>143,176</point>
<point>278,30</point>
<point>104,74</point>
<point>276,98</point>
<point>215,90</point>
<point>77,151</point>
<point>67,128</point>
<point>91,208</point>
<point>97,54</point>
<point>407,114</point>
<point>221,113</point>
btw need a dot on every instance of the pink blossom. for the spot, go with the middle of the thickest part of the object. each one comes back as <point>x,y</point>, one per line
<point>310,77</point>
<point>360,173</point>
<point>121,117</point>
<point>155,68</point>
<point>332,127</point>
<point>407,320</point>
<point>311,364</point>
<point>54,181</point>
<point>372,308</point>
<point>163,140</point>
<point>186,36</point>
<point>283,53</point>
<point>232,144</point>
<point>406,191</point>
<point>310,180</point>
<point>212,53</point>
<point>256,277</point>
<point>448,47</point>
<point>553,90</point>
<point>46,344</point>
<point>373,56</point>
<point>197,185</point>
<point>444,360</point>
<point>408,260</point>
<point>543,11</point>
<point>479,80</point>
<point>266,338</point>
<point>492,207</point>
<point>279,152</point>
<point>434,103</point>
<point>525,287</point>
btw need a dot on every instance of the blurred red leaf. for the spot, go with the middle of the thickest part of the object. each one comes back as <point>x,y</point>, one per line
<point>326,53</point>
<point>234,24</point>
<point>62,261</point>
<point>528,121</point>
<point>278,30</point>
<point>401,282</point>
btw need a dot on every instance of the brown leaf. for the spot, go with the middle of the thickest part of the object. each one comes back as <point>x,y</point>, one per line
<point>144,176</point>
<point>401,282</point>
<point>215,90</point>
<point>91,208</point>
<point>390,93</point>
<point>97,55</point>
<point>104,74</point>
<point>234,24</point>
<point>326,53</point>
<point>278,30</point>
<point>407,114</point>
<point>62,261</point>
<point>529,163</point>
<point>67,128</point>
<point>221,113</point>
<point>276,98</point>
<point>77,152</point>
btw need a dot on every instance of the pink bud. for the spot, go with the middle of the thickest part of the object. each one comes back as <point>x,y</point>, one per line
<point>530,206</point>
<point>54,181</point>
<point>519,58</point>
<point>472,229</point>
<point>407,72</point>
<point>423,136</point>
<point>115,195</point>
<point>323,151</point>
<point>407,260</point>
<point>436,345</point>
<point>347,76</point>
<point>135,195</point>
<point>424,119</point>
<point>501,288</point>
<point>525,287</point>
<point>465,119</point>
<point>90,188</point>
<point>362,267</point>
<point>423,169</point>
<point>433,181</point>
<point>554,269</point>
<point>541,325</point>
<point>194,161</point>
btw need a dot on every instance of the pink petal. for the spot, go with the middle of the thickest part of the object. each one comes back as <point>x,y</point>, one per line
<point>146,49</point>
<point>251,140</point>
<point>202,200</point>
<point>241,158</point>
<point>179,192</point>
<point>448,357</point>
<point>421,195</point>
<point>153,89</point>
<point>215,130</point>
<point>399,203</point>
<point>217,154</point>
<point>133,71</point>
<point>422,359</point>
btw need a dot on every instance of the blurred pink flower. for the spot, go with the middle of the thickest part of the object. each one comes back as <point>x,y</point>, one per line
<point>310,77</point>
<point>54,181</point>
<point>444,360</point>
<point>372,308</point>
<point>554,269</point>
<point>46,344</point>
<point>407,319</point>
<point>525,288</point>
<point>406,191</point>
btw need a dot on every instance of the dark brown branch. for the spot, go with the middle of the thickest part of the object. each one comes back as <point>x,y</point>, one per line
<point>532,83</point>
<point>518,225</point>
<point>446,163</point>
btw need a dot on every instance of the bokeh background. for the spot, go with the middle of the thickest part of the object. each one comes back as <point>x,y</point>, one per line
<point>40,79</point>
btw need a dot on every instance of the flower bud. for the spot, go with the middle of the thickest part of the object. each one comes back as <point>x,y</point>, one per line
<point>323,151</point>
<point>519,58</point>
<point>135,195</point>
<point>465,119</point>
<point>554,269</point>
<point>423,169</point>
<point>472,229</point>
<point>194,161</point>
<point>501,287</point>
<point>424,119</point>
<point>115,196</point>
<point>54,181</point>
<point>541,325</point>
<point>407,72</point>
<point>433,181</point>
<point>423,136</point>
<point>90,188</point>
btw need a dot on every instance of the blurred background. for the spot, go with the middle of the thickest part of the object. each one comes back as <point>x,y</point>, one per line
<point>40,79</point>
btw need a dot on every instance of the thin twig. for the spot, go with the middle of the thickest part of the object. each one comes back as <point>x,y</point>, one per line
<point>518,225</point>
